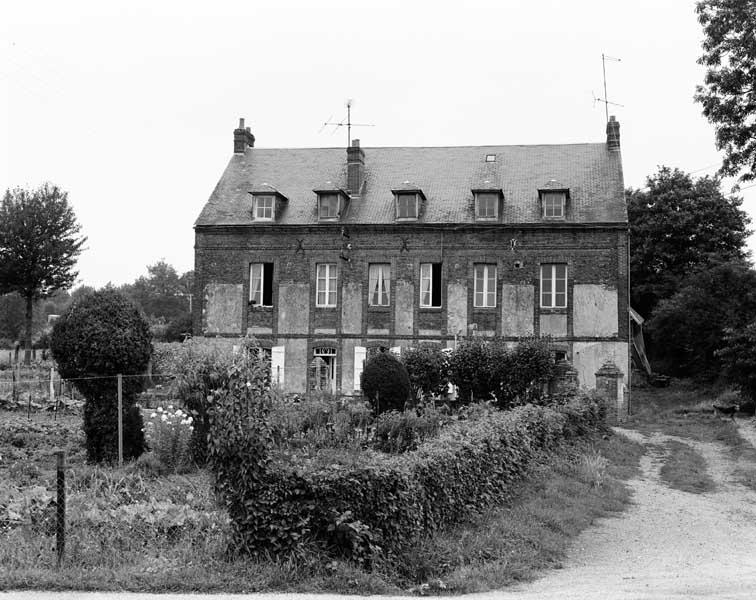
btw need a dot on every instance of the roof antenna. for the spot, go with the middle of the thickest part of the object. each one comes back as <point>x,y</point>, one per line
<point>348,123</point>
<point>605,99</point>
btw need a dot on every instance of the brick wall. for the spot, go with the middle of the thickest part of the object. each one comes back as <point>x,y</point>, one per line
<point>596,258</point>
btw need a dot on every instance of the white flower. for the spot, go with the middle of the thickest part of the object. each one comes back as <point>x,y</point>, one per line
<point>249,385</point>
<point>170,407</point>
<point>153,415</point>
<point>160,409</point>
<point>164,418</point>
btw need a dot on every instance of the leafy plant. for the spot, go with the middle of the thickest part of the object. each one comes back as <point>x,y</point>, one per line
<point>428,370</point>
<point>385,383</point>
<point>169,434</point>
<point>102,335</point>
<point>397,432</point>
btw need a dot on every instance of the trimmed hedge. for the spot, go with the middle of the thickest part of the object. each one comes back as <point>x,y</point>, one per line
<point>372,508</point>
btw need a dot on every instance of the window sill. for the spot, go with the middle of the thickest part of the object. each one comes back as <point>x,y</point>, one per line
<point>260,307</point>
<point>330,307</point>
<point>431,308</point>
<point>552,311</point>
<point>484,308</point>
<point>379,309</point>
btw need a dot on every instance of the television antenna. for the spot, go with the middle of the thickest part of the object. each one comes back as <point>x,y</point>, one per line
<point>605,99</point>
<point>346,123</point>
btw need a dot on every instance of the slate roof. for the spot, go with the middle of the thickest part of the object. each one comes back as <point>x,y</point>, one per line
<point>446,176</point>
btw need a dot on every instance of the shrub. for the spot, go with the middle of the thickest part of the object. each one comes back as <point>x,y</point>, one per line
<point>318,423</point>
<point>202,368</point>
<point>101,335</point>
<point>385,383</point>
<point>485,369</point>
<point>169,433</point>
<point>397,432</point>
<point>428,370</point>
<point>738,356</point>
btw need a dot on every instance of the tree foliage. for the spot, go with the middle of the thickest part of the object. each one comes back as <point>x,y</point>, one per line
<point>688,328</point>
<point>428,369</point>
<point>39,246</point>
<point>385,383</point>
<point>487,369</point>
<point>104,334</point>
<point>728,94</point>
<point>678,226</point>
<point>738,356</point>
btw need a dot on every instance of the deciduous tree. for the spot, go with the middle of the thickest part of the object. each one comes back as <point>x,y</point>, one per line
<point>678,226</point>
<point>728,94</point>
<point>39,245</point>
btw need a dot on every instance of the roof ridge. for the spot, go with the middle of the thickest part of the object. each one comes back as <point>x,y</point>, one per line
<point>468,146</point>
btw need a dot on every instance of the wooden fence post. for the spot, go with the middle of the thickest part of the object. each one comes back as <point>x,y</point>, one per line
<point>60,529</point>
<point>120,420</point>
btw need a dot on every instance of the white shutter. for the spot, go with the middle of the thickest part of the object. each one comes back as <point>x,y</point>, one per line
<point>396,351</point>
<point>277,365</point>
<point>360,354</point>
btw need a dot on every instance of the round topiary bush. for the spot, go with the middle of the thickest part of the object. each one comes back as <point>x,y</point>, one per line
<point>385,383</point>
<point>101,335</point>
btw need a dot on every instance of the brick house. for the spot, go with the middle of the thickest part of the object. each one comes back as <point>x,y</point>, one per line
<point>326,255</point>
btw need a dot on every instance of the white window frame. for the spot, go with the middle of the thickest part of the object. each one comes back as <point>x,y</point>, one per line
<point>549,273</point>
<point>487,196</point>
<point>329,216</point>
<point>260,276</point>
<point>484,286</point>
<point>426,275</point>
<point>379,284</point>
<point>325,285</point>
<point>411,200</point>
<point>553,205</point>
<point>263,205</point>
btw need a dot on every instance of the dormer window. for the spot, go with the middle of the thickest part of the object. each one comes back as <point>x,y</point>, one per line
<point>406,206</point>
<point>264,208</point>
<point>328,207</point>
<point>408,202</point>
<point>554,199</point>
<point>487,203</point>
<point>267,203</point>
<point>331,204</point>
<point>553,205</point>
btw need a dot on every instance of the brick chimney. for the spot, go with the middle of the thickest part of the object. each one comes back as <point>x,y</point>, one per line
<point>355,168</point>
<point>612,134</point>
<point>242,138</point>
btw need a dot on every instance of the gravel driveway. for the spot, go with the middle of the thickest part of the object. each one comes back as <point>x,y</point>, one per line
<point>668,544</point>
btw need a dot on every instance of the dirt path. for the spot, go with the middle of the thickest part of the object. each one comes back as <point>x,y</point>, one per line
<point>669,544</point>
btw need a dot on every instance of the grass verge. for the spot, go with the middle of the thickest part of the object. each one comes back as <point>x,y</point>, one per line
<point>685,469</point>
<point>565,494</point>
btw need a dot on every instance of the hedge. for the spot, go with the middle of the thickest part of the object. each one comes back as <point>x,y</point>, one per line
<point>375,508</point>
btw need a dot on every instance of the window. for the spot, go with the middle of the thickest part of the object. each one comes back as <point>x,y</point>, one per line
<point>328,207</point>
<point>261,284</point>
<point>406,206</point>
<point>326,285</point>
<point>379,278</point>
<point>553,205</point>
<point>323,369</point>
<point>485,286</point>
<point>554,286</point>
<point>264,208</point>
<point>430,285</point>
<point>486,205</point>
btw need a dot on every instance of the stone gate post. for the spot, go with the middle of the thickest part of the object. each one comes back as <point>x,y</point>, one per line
<point>610,389</point>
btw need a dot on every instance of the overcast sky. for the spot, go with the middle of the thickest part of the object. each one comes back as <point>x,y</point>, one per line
<point>130,106</point>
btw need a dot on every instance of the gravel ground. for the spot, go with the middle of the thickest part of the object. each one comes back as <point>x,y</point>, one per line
<point>669,544</point>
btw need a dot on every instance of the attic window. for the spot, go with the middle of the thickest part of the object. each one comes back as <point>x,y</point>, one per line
<point>553,204</point>
<point>328,207</point>
<point>406,206</point>
<point>487,203</point>
<point>264,208</point>
<point>490,158</point>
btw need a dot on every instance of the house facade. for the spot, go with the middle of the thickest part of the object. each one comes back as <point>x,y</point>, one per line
<point>326,255</point>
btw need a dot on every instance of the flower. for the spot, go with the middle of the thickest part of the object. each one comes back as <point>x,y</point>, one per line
<point>153,415</point>
<point>164,418</point>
